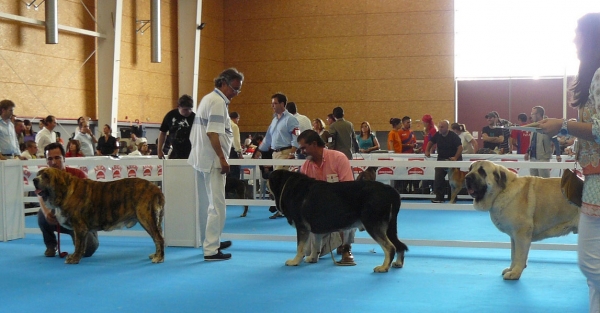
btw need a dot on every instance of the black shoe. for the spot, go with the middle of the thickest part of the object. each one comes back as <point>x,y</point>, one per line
<point>437,201</point>
<point>224,245</point>
<point>272,209</point>
<point>220,256</point>
<point>276,215</point>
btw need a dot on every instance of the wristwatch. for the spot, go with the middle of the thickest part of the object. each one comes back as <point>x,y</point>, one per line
<point>564,130</point>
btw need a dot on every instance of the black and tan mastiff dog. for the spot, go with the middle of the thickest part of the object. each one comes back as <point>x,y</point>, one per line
<point>85,205</point>
<point>321,208</point>
<point>525,208</point>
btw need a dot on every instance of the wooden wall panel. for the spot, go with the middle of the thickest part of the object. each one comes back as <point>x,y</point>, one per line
<point>376,59</point>
<point>212,46</point>
<point>47,79</point>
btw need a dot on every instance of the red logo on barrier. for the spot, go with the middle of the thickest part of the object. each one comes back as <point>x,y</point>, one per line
<point>246,171</point>
<point>132,170</point>
<point>147,170</point>
<point>160,169</point>
<point>100,172</point>
<point>416,171</point>
<point>84,169</point>
<point>385,171</point>
<point>117,171</point>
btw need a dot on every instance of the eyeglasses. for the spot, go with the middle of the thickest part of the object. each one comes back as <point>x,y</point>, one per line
<point>237,91</point>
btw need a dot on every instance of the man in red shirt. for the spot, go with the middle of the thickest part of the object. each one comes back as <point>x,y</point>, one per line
<point>55,157</point>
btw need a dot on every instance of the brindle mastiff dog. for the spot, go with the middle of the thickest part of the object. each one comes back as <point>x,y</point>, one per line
<point>85,205</point>
<point>321,208</point>
<point>525,208</point>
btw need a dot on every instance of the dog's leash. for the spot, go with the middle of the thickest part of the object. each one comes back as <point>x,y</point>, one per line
<point>61,254</point>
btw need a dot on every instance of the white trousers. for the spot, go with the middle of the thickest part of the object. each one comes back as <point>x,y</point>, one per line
<point>216,210</point>
<point>541,172</point>
<point>588,248</point>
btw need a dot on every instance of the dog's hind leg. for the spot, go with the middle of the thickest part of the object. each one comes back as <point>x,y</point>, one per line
<point>392,234</point>
<point>245,211</point>
<point>302,238</point>
<point>151,220</point>
<point>315,241</point>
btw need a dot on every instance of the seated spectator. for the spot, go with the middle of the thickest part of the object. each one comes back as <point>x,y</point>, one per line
<point>135,141</point>
<point>31,150</point>
<point>141,149</point>
<point>74,149</point>
<point>107,144</point>
<point>469,143</point>
<point>367,141</point>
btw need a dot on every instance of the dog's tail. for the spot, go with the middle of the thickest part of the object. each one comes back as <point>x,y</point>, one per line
<point>392,231</point>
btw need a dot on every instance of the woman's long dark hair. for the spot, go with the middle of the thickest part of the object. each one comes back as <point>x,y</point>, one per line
<point>589,56</point>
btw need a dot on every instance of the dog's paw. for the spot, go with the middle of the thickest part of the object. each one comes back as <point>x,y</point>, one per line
<point>71,259</point>
<point>508,269</point>
<point>156,259</point>
<point>292,262</point>
<point>310,259</point>
<point>381,269</point>
<point>512,275</point>
<point>398,264</point>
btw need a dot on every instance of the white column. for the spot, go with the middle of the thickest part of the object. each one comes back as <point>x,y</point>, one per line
<point>110,20</point>
<point>189,15</point>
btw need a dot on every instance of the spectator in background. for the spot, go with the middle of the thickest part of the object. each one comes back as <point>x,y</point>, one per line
<point>86,138</point>
<point>19,129</point>
<point>31,150</point>
<point>342,134</point>
<point>491,135</point>
<point>248,141</point>
<point>542,146</point>
<point>47,135</point>
<point>469,143</point>
<point>141,149</point>
<point>394,142</point>
<point>74,149</point>
<point>520,139</point>
<point>107,144</point>
<point>28,133</point>
<point>9,144</point>
<point>430,131</point>
<point>449,149</point>
<point>319,127</point>
<point>330,119</point>
<point>303,121</point>
<point>177,125</point>
<point>134,142</point>
<point>235,171</point>
<point>407,137</point>
<point>367,142</point>
<point>80,120</point>
<point>504,126</point>
<point>41,124</point>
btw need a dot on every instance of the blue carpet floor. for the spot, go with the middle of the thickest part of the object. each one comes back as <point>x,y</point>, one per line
<point>120,277</point>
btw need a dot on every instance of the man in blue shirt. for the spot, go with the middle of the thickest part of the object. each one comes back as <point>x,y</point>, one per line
<point>281,136</point>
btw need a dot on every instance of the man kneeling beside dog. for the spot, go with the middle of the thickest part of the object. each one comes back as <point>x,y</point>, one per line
<point>331,166</point>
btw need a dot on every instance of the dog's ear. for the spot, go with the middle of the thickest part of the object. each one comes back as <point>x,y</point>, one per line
<point>500,177</point>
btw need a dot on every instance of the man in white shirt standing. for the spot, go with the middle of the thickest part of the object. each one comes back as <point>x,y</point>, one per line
<point>211,138</point>
<point>46,136</point>
<point>9,144</point>
<point>304,122</point>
